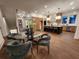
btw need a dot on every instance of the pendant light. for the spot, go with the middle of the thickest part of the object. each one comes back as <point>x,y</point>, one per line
<point>58,16</point>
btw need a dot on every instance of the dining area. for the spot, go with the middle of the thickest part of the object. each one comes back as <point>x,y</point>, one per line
<point>19,45</point>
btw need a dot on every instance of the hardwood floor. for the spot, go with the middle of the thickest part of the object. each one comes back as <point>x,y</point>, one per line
<point>62,46</point>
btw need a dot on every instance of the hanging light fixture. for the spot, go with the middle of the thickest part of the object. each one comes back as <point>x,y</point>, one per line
<point>58,15</point>
<point>48,16</point>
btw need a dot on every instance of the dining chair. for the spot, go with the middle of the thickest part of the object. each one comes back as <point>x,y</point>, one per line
<point>29,33</point>
<point>44,41</point>
<point>18,51</point>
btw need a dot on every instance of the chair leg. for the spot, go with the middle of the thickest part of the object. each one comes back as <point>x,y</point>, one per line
<point>32,50</point>
<point>48,49</point>
<point>37,49</point>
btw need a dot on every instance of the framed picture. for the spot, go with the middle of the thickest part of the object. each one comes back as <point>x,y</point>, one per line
<point>20,25</point>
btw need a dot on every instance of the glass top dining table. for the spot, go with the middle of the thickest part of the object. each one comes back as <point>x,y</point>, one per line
<point>23,38</point>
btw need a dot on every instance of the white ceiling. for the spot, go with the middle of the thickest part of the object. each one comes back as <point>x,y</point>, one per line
<point>30,6</point>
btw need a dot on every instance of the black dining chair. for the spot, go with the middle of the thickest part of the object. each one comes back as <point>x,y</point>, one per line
<point>29,33</point>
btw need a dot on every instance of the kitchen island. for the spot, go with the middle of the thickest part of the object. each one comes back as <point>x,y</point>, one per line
<point>54,29</point>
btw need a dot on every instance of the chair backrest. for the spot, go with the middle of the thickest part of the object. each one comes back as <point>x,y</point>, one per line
<point>45,36</point>
<point>19,49</point>
<point>30,34</point>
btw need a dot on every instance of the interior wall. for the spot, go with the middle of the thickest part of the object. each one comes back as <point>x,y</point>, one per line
<point>10,15</point>
<point>1,40</point>
<point>76,34</point>
<point>3,30</point>
<point>3,25</point>
<point>68,14</point>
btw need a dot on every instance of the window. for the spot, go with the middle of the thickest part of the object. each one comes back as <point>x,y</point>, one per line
<point>72,19</point>
<point>64,19</point>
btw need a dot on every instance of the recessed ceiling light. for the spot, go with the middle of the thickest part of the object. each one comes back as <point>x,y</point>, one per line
<point>33,14</point>
<point>45,6</point>
<point>42,12</point>
<point>71,3</point>
<point>73,7</point>
<point>28,15</point>
<point>36,11</point>
<point>74,12</point>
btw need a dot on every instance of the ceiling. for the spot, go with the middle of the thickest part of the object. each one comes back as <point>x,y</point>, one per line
<point>9,7</point>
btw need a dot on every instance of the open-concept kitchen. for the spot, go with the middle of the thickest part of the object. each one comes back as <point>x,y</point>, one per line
<point>39,29</point>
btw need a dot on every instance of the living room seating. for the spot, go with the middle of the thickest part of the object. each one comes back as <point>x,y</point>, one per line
<point>44,41</point>
<point>29,33</point>
<point>38,39</point>
<point>18,50</point>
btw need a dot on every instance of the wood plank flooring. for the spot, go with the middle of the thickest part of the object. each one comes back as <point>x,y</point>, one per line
<point>62,46</point>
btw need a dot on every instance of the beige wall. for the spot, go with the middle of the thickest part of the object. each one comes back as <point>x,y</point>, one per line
<point>76,36</point>
<point>3,25</point>
<point>1,40</point>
